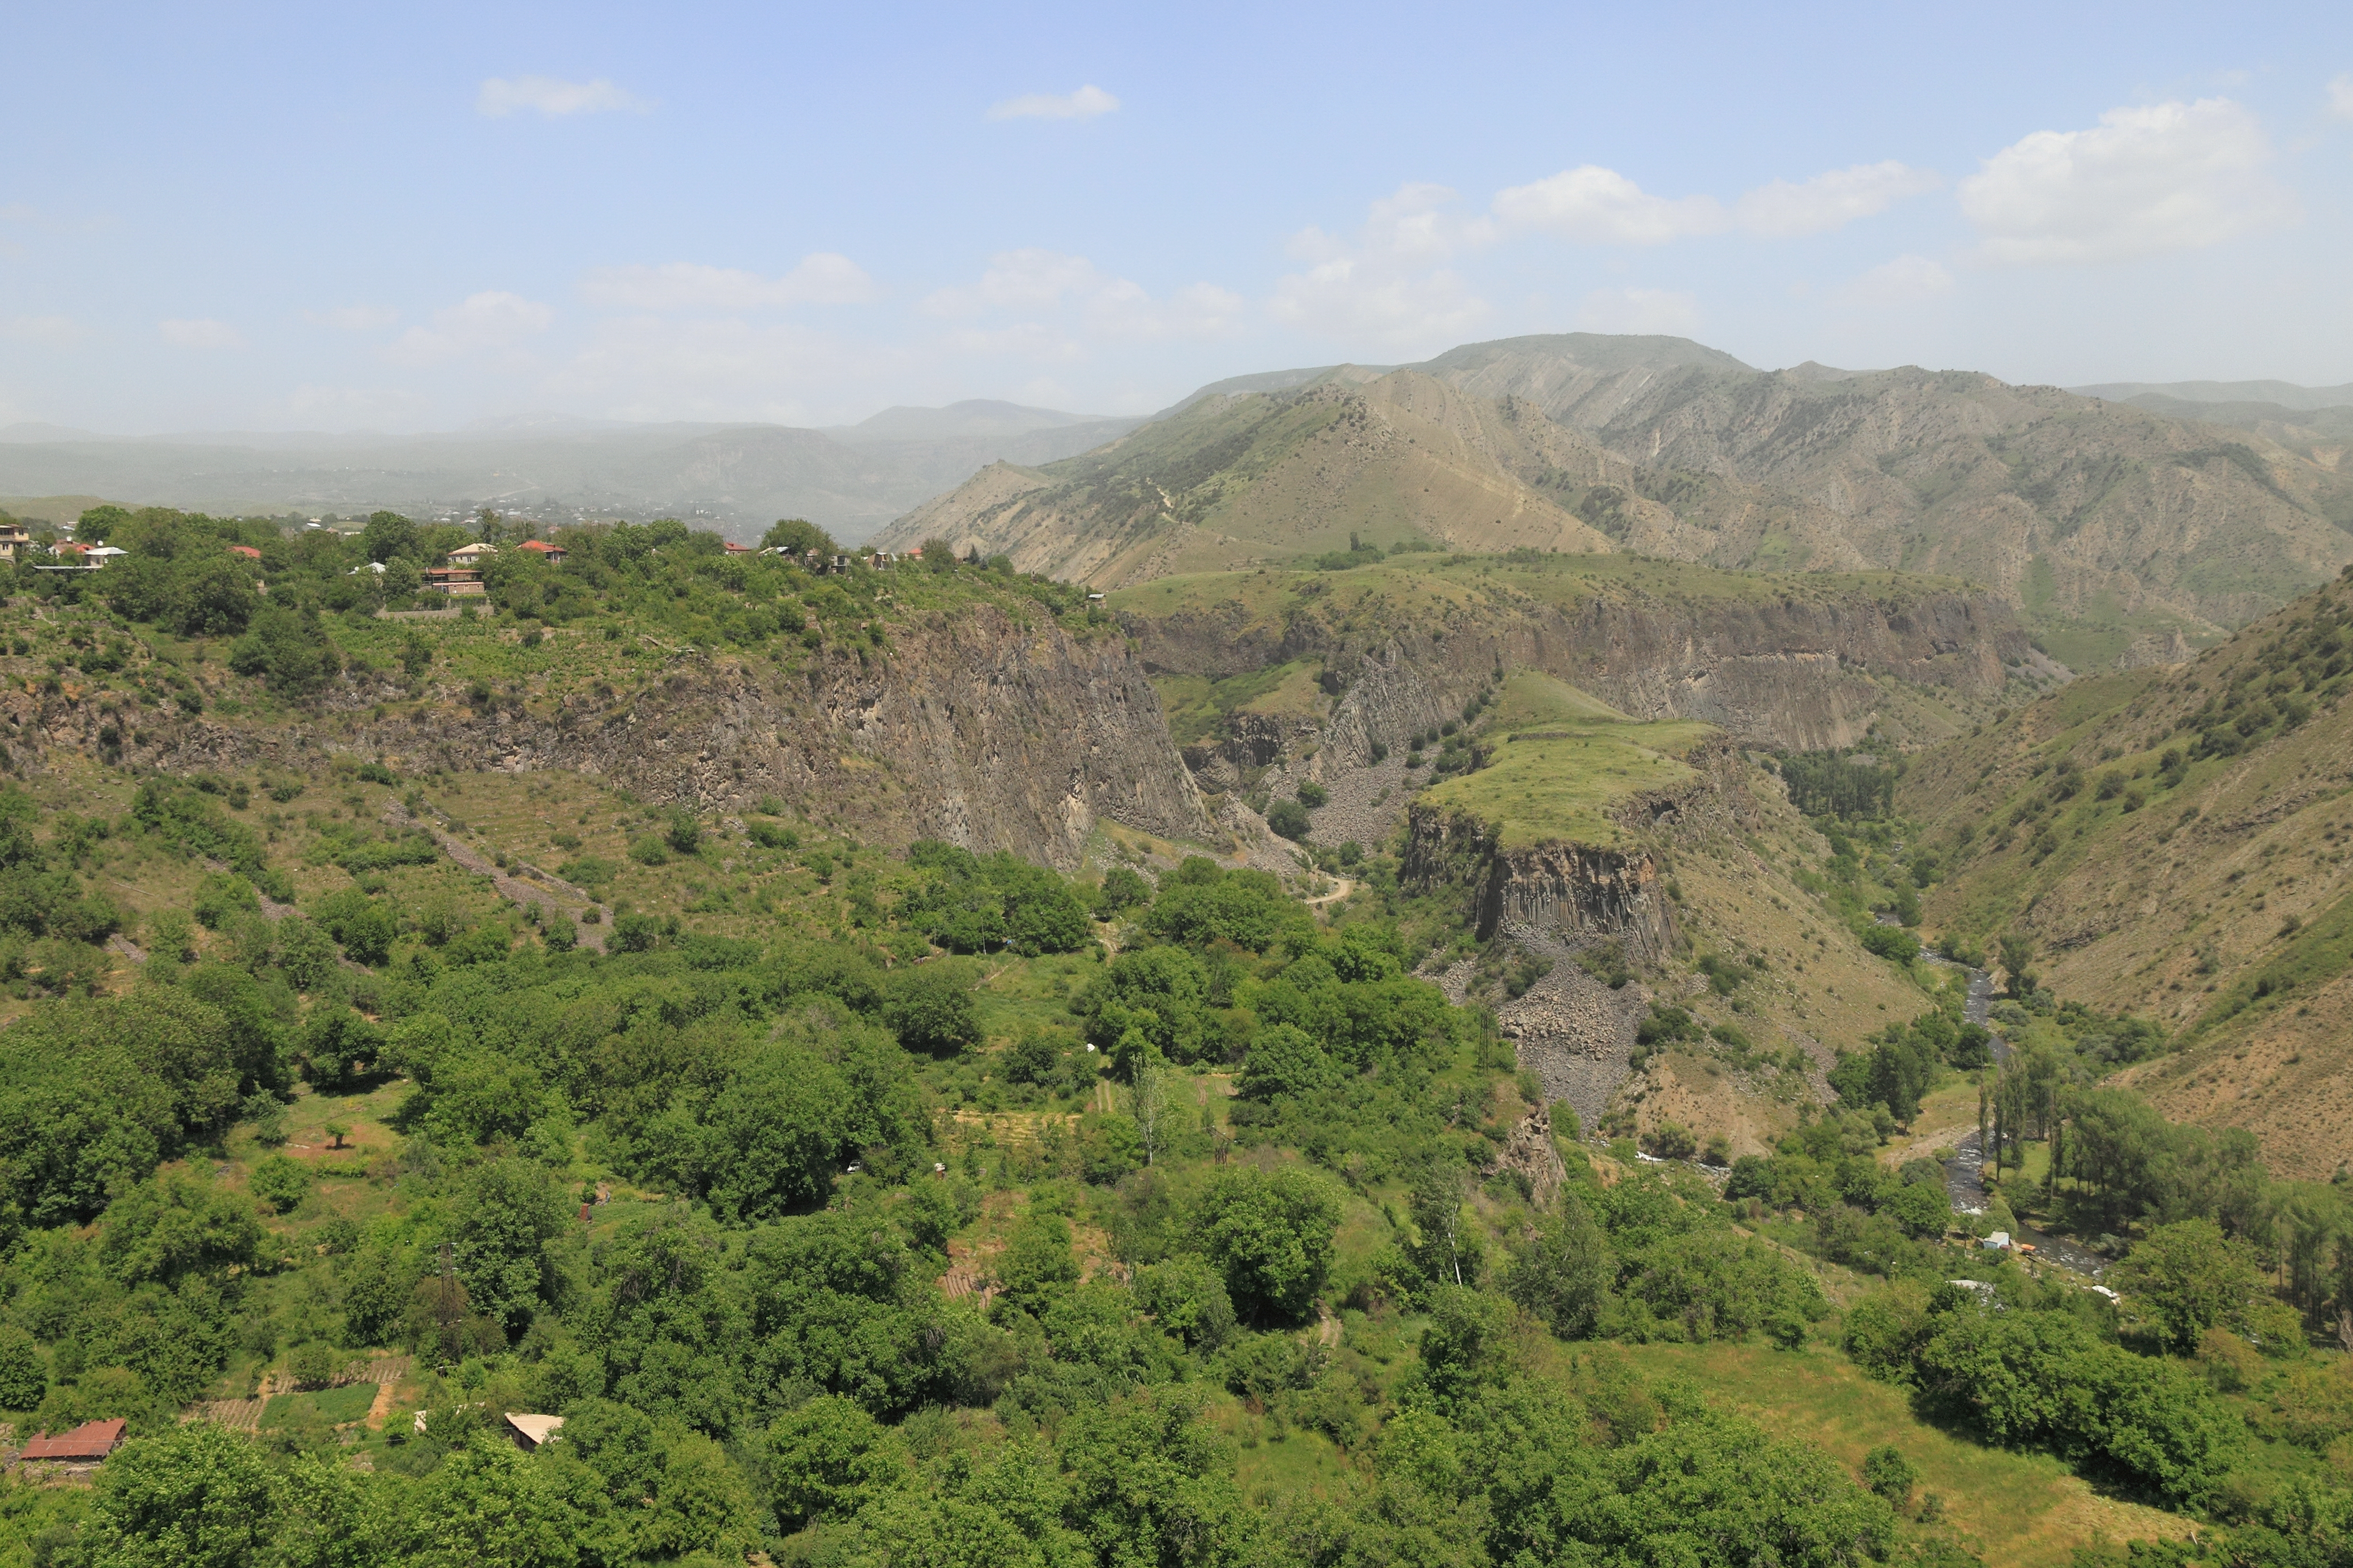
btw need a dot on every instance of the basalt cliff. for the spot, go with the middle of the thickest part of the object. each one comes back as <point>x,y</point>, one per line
<point>974,727</point>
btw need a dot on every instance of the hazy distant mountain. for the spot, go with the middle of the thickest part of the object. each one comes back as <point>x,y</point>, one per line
<point>978,418</point>
<point>849,480</point>
<point>2285,393</point>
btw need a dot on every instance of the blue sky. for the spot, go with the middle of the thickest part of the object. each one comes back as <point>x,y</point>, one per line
<point>413,217</point>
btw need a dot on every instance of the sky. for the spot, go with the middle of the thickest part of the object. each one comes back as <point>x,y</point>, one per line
<point>413,217</point>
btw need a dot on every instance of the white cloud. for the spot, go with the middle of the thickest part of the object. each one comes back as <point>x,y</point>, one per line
<point>200,333</point>
<point>823,279</point>
<point>2172,176</point>
<point>1083,104</point>
<point>491,321</point>
<point>2340,96</point>
<point>1017,279</point>
<point>1092,304</point>
<point>1123,310</point>
<point>354,317</point>
<point>1906,280</point>
<point>56,330</point>
<point>1781,210</point>
<point>1601,207</point>
<point>1354,300</point>
<point>1385,290</point>
<point>502,96</point>
<point>1638,311</point>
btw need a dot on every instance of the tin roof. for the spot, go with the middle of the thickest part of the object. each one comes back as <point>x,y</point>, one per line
<point>91,1440</point>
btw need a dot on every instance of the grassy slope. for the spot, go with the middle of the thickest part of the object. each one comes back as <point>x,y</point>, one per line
<point>1563,768</point>
<point>2175,910</point>
<point>2021,1510</point>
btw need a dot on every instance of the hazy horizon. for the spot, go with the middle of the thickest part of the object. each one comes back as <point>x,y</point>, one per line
<point>285,221</point>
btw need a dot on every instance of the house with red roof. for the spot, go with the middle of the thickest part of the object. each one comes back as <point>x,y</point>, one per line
<point>246,550</point>
<point>553,554</point>
<point>87,1444</point>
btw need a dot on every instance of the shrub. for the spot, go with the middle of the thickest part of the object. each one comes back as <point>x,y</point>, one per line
<point>1886,1471</point>
<point>24,1376</point>
<point>312,1365</point>
<point>1288,819</point>
<point>1314,796</point>
<point>280,1182</point>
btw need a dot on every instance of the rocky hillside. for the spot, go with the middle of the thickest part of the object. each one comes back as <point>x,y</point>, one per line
<point>2116,530</point>
<point>2173,840</point>
<point>2104,521</point>
<point>1650,886</point>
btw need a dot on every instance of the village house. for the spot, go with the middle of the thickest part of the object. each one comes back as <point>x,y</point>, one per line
<point>15,541</point>
<point>553,554</point>
<point>530,1431</point>
<point>88,1443</point>
<point>472,554</point>
<point>457,581</point>
<point>244,551</point>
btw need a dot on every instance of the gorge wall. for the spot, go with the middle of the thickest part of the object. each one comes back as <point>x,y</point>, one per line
<point>1571,1028</point>
<point>1796,673</point>
<point>977,730</point>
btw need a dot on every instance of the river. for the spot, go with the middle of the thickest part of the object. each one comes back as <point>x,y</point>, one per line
<point>1965,1172</point>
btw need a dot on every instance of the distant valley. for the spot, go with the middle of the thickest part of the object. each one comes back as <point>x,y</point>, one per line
<point>851,480</point>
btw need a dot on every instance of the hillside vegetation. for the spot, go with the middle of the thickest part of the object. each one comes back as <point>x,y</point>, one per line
<point>571,1009</point>
<point>2173,841</point>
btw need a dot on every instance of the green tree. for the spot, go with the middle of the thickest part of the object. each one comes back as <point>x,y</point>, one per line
<point>213,597</point>
<point>2017,952</point>
<point>1270,1233</point>
<point>1886,1471</point>
<point>197,1496</point>
<point>1922,1209</point>
<point>1038,1261</point>
<point>387,534</point>
<point>1288,819</point>
<point>1562,1273</point>
<point>1284,1060</point>
<point>800,536</point>
<point>23,1376</point>
<point>931,1009</point>
<point>826,1460</point>
<point>505,1215</point>
<point>484,1504</point>
<point>1467,1346</point>
<point>1150,1483</point>
<point>1122,890</point>
<point>2189,1277</point>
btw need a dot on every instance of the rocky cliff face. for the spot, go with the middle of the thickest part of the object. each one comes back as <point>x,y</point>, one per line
<point>1556,899</point>
<point>1573,895</point>
<point>1796,672</point>
<point>976,730</point>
